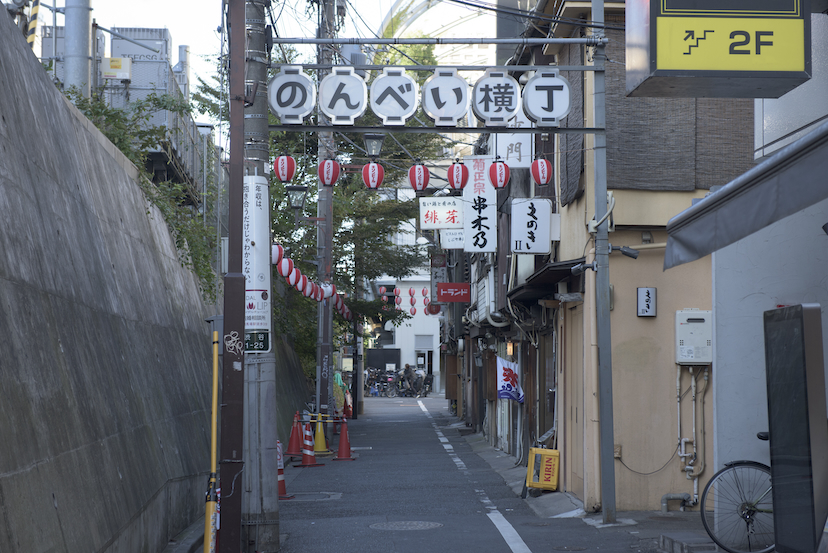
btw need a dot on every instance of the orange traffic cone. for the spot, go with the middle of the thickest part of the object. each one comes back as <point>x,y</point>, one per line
<point>282,489</point>
<point>344,453</point>
<point>295,443</point>
<point>308,458</point>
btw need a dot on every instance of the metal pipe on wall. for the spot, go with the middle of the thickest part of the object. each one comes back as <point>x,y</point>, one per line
<point>77,45</point>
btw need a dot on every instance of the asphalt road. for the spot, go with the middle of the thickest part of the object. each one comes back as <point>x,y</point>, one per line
<point>417,486</point>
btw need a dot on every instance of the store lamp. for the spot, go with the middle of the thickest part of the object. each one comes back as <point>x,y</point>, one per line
<point>373,143</point>
<point>296,196</point>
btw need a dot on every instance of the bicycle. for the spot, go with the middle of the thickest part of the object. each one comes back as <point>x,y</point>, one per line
<point>737,507</point>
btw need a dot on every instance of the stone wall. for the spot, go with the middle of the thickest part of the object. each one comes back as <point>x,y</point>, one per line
<point>105,367</point>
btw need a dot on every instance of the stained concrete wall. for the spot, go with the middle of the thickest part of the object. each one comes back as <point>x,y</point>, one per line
<point>105,356</point>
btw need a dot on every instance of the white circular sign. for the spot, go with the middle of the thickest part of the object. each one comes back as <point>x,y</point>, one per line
<point>343,96</point>
<point>394,96</point>
<point>291,95</point>
<point>496,98</point>
<point>546,99</point>
<point>445,97</point>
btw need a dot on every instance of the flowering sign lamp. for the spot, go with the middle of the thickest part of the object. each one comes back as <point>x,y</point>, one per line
<point>284,168</point>
<point>541,171</point>
<point>328,172</point>
<point>458,175</point>
<point>372,175</point>
<point>418,177</point>
<point>373,172</point>
<point>499,174</point>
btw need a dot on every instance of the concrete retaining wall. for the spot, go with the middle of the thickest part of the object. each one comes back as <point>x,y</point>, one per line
<point>105,356</point>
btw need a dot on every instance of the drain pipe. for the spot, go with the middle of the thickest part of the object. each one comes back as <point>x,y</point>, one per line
<point>683,497</point>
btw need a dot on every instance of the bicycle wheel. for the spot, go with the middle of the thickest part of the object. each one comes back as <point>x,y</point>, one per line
<point>737,508</point>
<point>391,391</point>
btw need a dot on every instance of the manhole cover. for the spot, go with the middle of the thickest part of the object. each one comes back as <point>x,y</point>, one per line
<point>406,525</point>
<point>569,548</point>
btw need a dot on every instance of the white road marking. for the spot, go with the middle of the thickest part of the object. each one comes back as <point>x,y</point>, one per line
<point>513,539</point>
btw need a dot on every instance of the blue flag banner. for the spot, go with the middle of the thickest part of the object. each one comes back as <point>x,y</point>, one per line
<point>507,381</point>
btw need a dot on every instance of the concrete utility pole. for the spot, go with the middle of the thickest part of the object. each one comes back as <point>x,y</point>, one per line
<point>77,45</point>
<point>232,409</point>
<point>324,233</point>
<point>260,499</point>
<point>602,298</point>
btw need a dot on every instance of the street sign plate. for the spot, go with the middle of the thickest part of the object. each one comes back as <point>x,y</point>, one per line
<point>256,342</point>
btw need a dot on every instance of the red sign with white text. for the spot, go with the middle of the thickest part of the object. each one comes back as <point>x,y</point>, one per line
<point>453,292</point>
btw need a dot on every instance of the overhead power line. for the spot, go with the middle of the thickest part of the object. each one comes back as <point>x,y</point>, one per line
<point>528,14</point>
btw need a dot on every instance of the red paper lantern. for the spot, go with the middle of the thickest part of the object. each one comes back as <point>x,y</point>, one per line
<point>413,300</point>
<point>499,174</point>
<point>413,310</point>
<point>372,175</point>
<point>458,175</point>
<point>382,290</point>
<point>411,291</point>
<point>396,291</point>
<point>284,168</point>
<point>301,283</point>
<point>398,300</point>
<point>294,277</point>
<point>433,309</point>
<point>277,252</point>
<point>328,172</point>
<point>418,177</point>
<point>285,267</point>
<point>426,301</point>
<point>541,171</point>
<point>425,291</point>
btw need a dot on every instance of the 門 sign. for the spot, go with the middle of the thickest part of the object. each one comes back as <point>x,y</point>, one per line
<point>717,48</point>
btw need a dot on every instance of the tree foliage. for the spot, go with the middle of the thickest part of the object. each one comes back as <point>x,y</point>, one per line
<point>129,129</point>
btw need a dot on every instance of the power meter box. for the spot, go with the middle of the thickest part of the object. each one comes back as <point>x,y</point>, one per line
<point>694,337</point>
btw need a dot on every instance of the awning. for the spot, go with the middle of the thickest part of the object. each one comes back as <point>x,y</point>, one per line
<point>541,283</point>
<point>796,177</point>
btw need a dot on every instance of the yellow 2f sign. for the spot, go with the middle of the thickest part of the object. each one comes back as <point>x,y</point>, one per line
<point>730,44</point>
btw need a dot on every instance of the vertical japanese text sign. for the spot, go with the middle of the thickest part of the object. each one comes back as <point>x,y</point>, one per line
<point>532,226</point>
<point>256,264</point>
<point>480,206</point>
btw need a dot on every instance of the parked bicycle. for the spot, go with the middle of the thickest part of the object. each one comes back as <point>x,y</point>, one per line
<point>737,507</point>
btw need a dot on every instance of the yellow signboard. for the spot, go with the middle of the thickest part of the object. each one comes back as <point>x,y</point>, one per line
<point>730,44</point>
<point>717,48</point>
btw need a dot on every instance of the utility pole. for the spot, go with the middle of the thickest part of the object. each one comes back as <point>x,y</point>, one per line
<point>232,409</point>
<point>260,497</point>
<point>324,232</point>
<point>602,296</point>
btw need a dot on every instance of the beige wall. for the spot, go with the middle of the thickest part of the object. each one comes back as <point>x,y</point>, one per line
<point>644,383</point>
<point>644,375</point>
